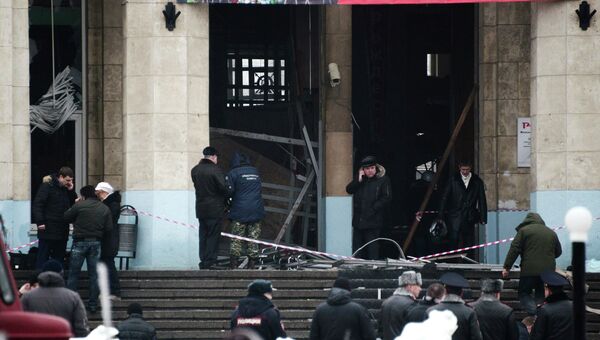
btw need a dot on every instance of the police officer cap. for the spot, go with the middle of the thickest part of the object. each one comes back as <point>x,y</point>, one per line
<point>368,161</point>
<point>260,287</point>
<point>454,280</point>
<point>554,279</point>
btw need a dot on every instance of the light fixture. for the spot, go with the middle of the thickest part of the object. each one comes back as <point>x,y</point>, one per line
<point>585,17</point>
<point>170,16</point>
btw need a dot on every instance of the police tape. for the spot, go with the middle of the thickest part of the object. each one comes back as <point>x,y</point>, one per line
<point>237,237</point>
<point>22,246</point>
<point>424,212</point>
<point>483,245</point>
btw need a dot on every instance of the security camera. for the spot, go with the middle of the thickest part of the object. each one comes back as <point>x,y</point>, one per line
<point>334,75</point>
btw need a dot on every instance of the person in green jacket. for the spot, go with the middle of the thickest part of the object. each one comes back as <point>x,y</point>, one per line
<point>538,247</point>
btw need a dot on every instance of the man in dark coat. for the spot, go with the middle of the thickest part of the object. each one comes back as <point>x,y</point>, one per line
<point>51,297</point>
<point>372,192</point>
<point>91,220</point>
<point>247,208</point>
<point>135,327</point>
<point>462,206</point>
<point>53,198</point>
<point>496,319</point>
<point>395,309</point>
<point>468,326</point>
<point>257,312</point>
<point>110,242</point>
<point>435,293</point>
<point>340,317</point>
<point>211,192</point>
<point>538,247</point>
<point>555,317</point>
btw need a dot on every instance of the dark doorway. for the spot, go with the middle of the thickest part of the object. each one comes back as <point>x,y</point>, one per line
<point>413,69</point>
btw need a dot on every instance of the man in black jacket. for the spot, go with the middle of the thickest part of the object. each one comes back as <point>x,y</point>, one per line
<point>468,326</point>
<point>91,219</point>
<point>496,319</point>
<point>247,207</point>
<point>435,293</point>
<point>395,309</point>
<point>340,317</point>
<point>211,192</point>
<point>372,192</point>
<point>555,317</point>
<point>135,327</point>
<point>53,198</point>
<point>110,241</point>
<point>463,205</point>
<point>257,312</point>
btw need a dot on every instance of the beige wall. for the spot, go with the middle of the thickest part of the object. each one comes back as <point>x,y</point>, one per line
<point>565,99</point>
<point>504,57</point>
<point>165,95</point>
<point>338,121</point>
<point>14,101</point>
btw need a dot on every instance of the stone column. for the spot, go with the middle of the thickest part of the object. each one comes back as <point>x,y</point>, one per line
<point>565,106</point>
<point>165,115</point>
<point>14,120</point>
<point>504,55</point>
<point>338,131</point>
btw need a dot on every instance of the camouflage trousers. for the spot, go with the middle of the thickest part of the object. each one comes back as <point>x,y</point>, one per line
<point>250,230</point>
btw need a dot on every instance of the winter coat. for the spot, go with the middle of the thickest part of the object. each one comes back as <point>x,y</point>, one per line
<point>245,188</point>
<point>211,190</point>
<point>90,218</point>
<point>259,314</point>
<point>110,241</point>
<point>419,312</point>
<point>48,207</point>
<point>463,207</point>
<point>394,313</point>
<point>53,298</point>
<point>341,318</point>
<point>537,245</point>
<point>371,198</point>
<point>496,319</point>
<point>554,319</point>
<point>523,334</point>
<point>135,328</point>
<point>468,326</point>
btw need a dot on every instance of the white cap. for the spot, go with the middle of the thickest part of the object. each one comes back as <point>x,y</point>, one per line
<point>104,186</point>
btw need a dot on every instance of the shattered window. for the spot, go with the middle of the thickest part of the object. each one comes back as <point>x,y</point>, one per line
<point>256,79</point>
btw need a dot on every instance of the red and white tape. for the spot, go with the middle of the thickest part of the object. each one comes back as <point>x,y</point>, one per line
<point>493,243</point>
<point>490,211</point>
<point>22,246</point>
<point>264,243</point>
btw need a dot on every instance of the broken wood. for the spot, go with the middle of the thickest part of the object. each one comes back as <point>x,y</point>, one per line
<point>290,216</point>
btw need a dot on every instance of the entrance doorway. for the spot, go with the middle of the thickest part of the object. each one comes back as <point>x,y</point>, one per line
<point>413,69</point>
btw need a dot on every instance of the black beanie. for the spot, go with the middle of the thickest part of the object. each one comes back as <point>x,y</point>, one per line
<point>343,283</point>
<point>134,308</point>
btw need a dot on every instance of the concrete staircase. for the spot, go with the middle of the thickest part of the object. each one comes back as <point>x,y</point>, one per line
<point>197,304</point>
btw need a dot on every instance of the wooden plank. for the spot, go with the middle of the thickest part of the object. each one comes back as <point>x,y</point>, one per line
<point>290,216</point>
<point>262,136</point>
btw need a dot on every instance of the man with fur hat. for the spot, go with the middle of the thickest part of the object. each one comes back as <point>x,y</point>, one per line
<point>555,316</point>
<point>110,242</point>
<point>496,319</point>
<point>257,312</point>
<point>395,309</point>
<point>538,246</point>
<point>468,326</point>
<point>372,192</point>
<point>340,317</point>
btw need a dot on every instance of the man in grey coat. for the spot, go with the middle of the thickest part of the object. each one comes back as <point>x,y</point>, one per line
<point>395,309</point>
<point>51,297</point>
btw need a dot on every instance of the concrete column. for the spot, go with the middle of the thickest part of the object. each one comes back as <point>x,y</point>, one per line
<point>504,66</point>
<point>565,106</point>
<point>165,115</point>
<point>338,131</point>
<point>14,119</point>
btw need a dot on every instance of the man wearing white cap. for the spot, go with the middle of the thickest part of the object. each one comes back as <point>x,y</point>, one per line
<point>110,243</point>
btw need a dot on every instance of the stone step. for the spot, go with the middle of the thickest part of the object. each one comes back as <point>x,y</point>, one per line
<point>208,325</point>
<point>154,304</point>
<point>200,314</point>
<point>181,335</point>
<point>283,294</point>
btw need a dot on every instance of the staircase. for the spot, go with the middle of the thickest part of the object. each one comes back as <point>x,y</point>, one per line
<point>197,304</point>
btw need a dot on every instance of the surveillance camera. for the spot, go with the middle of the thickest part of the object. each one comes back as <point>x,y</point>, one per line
<point>334,75</point>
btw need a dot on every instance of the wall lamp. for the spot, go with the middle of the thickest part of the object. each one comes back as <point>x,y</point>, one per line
<point>584,14</point>
<point>170,16</point>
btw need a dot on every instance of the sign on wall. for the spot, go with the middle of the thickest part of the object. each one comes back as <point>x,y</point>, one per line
<point>524,142</point>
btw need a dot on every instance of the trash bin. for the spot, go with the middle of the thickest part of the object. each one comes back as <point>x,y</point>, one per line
<point>127,235</point>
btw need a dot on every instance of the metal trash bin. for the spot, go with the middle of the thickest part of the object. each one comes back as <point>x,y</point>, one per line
<point>127,235</point>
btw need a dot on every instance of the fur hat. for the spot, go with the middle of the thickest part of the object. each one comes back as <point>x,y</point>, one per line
<point>410,277</point>
<point>490,286</point>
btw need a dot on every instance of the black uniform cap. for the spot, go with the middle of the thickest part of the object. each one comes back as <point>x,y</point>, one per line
<point>454,280</point>
<point>554,279</point>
